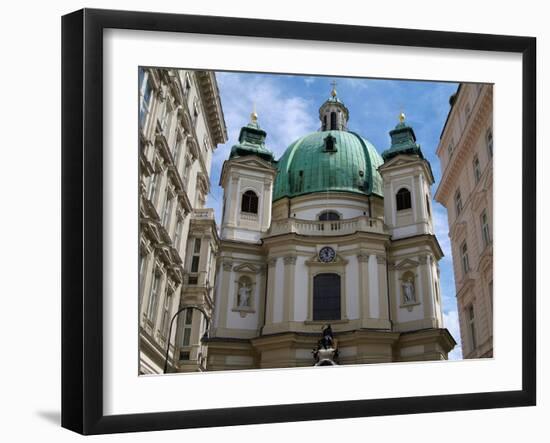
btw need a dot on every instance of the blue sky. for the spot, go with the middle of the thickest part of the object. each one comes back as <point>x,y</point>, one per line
<point>287,106</point>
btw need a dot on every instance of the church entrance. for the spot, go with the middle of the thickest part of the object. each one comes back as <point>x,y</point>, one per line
<point>326,297</point>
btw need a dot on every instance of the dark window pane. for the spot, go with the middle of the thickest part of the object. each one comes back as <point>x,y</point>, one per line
<point>329,215</point>
<point>333,121</point>
<point>326,297</point>
<point>195,264</point>
<point>403,199</point>
<point>249,202</point>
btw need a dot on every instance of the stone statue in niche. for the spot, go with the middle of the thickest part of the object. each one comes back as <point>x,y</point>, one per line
<point>408,290</point>
<point>245,292</point>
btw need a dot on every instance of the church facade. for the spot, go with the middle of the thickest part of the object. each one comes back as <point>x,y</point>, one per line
<point>332,233</point>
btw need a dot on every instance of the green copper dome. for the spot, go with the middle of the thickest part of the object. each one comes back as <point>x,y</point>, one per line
<point>337,161</point>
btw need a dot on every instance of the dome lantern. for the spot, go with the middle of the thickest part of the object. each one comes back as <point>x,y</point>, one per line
<point>252,141</point>
<point>333,113</point>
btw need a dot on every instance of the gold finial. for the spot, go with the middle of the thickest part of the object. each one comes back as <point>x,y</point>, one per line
<point>253,115</point>
<point>333,92</point>
<point>402,117</point>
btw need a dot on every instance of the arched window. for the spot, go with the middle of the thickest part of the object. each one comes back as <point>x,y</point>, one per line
<point>249,202</point>
<point>326,297</point>
<point>333,120</point>
<point>403,199</point>
<point>328,216</point>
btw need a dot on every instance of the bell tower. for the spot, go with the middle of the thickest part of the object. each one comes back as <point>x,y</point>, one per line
<point>247,179</point>
<point>407,178</point>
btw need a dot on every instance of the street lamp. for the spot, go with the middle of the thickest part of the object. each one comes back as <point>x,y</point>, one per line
<point>204,337</point>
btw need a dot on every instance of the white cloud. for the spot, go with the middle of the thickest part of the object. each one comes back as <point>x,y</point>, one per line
<point>309,80</point>
<point>450,320</point>
<point>283,116</point>
<point>441,227</point>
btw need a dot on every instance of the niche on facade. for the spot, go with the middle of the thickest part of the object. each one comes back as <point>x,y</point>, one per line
<point>408,289</point>
<point>245,285</point>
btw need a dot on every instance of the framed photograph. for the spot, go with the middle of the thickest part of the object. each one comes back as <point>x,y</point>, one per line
<point>270,221</point>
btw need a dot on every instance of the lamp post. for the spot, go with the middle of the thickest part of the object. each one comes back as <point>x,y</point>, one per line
<point>204,337</point>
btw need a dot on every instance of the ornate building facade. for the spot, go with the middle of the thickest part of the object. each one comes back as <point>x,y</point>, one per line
<point>180,124</point>
<point>466,190</point>
<point>331,233</point>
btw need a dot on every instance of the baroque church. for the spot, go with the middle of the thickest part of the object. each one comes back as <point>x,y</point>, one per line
<point>332,233</point>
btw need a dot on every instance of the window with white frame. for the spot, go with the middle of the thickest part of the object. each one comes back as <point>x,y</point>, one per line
<point>489,142</point>
<point>153,297</point>
<point>166,309</point>
<point>187,327</point>
<point>151,192</point>
<point>167,209</point>
<point>471,326</point>
<point>485,231</point>
<point>464,258</point>
<point>477,169</point>
<point>458,202</point>
<point>146,94</point>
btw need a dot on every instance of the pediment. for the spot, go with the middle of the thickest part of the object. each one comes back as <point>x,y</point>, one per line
<point>248,268</point>
<point>406,264</point>
<point>251,161</point>
<point>315,260</point>
<point>400,160</point>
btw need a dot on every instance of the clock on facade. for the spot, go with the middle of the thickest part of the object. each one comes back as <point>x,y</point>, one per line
<point>327,254</point>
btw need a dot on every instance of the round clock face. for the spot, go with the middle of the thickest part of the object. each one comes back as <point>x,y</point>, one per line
<point>327,254</point>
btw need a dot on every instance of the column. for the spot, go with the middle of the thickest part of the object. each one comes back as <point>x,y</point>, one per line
<point>271,268</point>
<point>363,262</point>
<point>288,302</point>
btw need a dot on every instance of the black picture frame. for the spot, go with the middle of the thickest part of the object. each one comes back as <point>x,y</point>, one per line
<point>82,218</point>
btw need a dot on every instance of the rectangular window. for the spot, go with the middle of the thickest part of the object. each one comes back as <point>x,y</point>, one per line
<point>477,169</point>
<point>187,327</point>
<point>145,99</point>
<point>195,264</point>
<point>197,246</point>
<point>458,203</point>
<point>464,256</point>
<point>166,315</point>
<point>178,233</point>
<point>485,233</point>
<point>167,211</point>
<point>152,188</point>
<point>489,142</point>
<point>153,298</point>
<point>472,326</point>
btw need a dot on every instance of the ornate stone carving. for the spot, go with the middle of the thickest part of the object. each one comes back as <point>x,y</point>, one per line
<point>423,259</point>
<point>289,260</point>
<point>227,265</point>
<point>272,261</point>
<point>363,257</point>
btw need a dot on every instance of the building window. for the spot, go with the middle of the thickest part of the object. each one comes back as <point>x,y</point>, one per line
<point>485,233</point>
<point>333,121</point>
<point>328,216</point>
<point>489,142</point>
<point>330,142</point>
<point>167,210</point>
<point>403,199</point>
<point>153,298</point>
<point>326,297</point>
<point>477,169</point>
<point>151,192</point>
<point>467,111</point>
<point>324,122</point>
<point>177,234</point>
<point>165,325</point>
<point>450,148</point>
<point>146,94</point>
<point>249,202</point>
<point>187,327</point>
<point>472,326</point>
<point>195,259</point>
<point>458,203</point>
<point>464,257</point>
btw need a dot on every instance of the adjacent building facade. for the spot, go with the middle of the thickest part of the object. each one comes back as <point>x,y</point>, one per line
<point>180,124</point>
<point>466,190</point>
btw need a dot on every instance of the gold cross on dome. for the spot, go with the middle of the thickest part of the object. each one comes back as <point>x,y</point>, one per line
<point>333,92</point>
